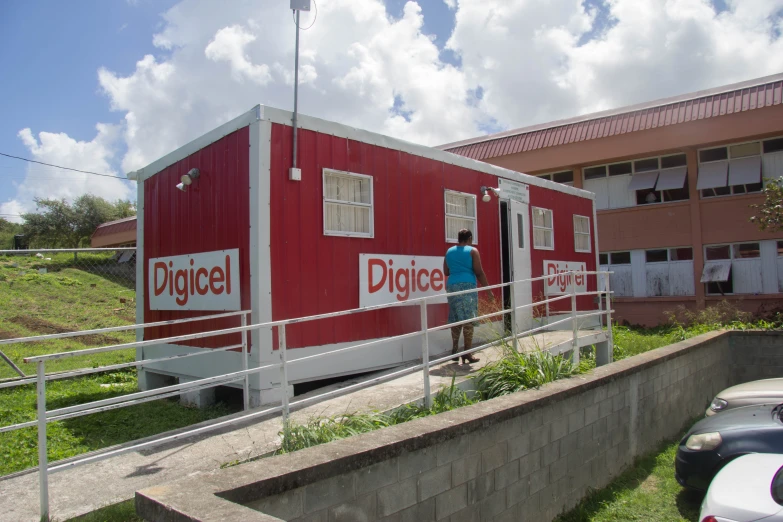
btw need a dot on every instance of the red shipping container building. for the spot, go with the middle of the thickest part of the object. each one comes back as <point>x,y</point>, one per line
<point>244,236</point>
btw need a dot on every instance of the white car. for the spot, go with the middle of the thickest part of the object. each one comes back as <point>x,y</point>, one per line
<point>747,489</point>
<point>747,394</point>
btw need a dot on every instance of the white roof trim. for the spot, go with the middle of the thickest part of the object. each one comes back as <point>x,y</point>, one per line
<point>336,129</point>
<point>199,143</point>
<point>273,115</point>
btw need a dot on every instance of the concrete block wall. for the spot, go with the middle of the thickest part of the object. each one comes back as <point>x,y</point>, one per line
<point>756,355</point>
<point>526,456</point>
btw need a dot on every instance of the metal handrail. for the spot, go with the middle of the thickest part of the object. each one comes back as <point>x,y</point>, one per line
<point>64,250</point>
<point>137,326</point>
<point>285,322</point>
<point>45,416</point>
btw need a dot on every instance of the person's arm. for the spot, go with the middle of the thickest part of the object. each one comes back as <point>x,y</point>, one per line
<point>445,268</point>
<point>478,269</point>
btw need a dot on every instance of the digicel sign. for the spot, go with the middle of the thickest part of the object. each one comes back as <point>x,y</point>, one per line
<point>385,279</point>
<point>205,281</point>
<point>560,281</point>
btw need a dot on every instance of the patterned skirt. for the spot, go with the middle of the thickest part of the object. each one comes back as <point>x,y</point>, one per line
<point>465,306</point>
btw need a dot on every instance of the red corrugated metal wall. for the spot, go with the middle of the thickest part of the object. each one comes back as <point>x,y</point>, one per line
<point>313,273</point>
<point>564,207</point>
<point>214,214</point>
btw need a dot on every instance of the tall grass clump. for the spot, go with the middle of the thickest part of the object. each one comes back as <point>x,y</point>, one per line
<point>517,371</point>
<point>321,430</point>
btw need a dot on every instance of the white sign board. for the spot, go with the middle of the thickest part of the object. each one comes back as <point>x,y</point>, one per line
<point>559,281</point>
<point>385,279</point>
<point>513,190</point>
<point>205,281</point>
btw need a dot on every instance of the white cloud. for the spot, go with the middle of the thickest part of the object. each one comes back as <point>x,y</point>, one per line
<point>654,49</point>
<point>355,61</point>
<point>530,60</point>
<point>229,46</point>
<point>60,149</point>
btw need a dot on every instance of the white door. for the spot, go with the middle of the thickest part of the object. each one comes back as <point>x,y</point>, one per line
<point>519,219</point>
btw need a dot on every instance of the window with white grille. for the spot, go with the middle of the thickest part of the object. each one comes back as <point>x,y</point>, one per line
<point>460,213</point>
<point>582,234</point>
<point>348,209</point>
<point>543,229</point>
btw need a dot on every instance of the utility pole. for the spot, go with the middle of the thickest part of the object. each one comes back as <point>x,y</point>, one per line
<point>294,173</point>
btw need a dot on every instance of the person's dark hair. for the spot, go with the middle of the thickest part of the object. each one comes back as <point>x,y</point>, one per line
<point>464,235</point>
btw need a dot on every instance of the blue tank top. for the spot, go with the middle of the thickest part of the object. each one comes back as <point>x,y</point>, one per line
<point>460,265</point>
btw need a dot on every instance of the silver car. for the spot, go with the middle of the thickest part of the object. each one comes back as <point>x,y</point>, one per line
<point>748,394</point>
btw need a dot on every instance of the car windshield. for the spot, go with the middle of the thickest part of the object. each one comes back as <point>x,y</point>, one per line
<point>777,487</point>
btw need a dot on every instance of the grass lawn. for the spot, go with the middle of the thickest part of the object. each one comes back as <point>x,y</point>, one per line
<point>122,512</point>
<point>648,491</point>
<point>66,299</point>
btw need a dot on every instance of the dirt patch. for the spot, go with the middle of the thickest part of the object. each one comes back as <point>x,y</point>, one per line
<point>650,484</point>
<point>5,334</point>
<point>42,326</point>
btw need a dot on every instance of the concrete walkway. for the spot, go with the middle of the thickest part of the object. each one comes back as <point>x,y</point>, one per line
<point>86,488</point>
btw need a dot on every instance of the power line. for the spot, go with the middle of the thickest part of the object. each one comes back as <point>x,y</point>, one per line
<point>60,167</point>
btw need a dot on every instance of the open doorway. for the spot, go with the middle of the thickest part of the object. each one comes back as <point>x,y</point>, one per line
<point>505,262</point>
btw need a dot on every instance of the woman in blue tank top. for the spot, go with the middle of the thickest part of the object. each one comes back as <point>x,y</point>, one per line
<point>462,267</point>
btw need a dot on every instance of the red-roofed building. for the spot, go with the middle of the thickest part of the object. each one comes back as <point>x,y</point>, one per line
<point>119,233</point>
<point>674,180</point>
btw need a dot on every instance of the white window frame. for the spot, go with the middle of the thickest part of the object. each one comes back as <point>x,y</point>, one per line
<point>728,159</point>
<point>633,172</point>
<point>551,230</point>
<point>342,173</point>
<point>731,259</point>
<point>454,240</point>
<point>609,268</point>
<point>588,234</point>
<point>669,262</point>
<point>550,177</point>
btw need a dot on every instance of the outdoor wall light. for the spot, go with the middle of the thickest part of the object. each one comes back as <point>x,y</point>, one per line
<point>187,179</point>
<point>486,198</point>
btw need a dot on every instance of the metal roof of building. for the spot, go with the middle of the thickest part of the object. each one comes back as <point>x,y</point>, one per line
<point>729,99</point>
<point>115,227</point>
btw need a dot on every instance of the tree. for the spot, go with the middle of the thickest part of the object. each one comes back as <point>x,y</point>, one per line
<point>70,225</point>
<point>770,213</point>
<point>7,232</point>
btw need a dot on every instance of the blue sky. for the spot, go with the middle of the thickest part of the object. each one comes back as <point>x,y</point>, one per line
<point>58,48</point>
<point>536,61</point>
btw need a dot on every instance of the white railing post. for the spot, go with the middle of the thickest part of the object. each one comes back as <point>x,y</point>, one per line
<point>513,316</point>
<point>283,372</point>
<point>425,354</point>
<point>246,381</point>
<point>606,355</point>
<point>546,298</point>
<point>575,356</point>
<point>43,463</point>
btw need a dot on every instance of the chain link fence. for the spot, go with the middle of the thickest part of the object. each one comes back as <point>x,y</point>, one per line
<point>49,291</point>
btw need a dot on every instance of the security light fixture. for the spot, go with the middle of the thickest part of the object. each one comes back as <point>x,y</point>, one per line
<point>487,197</point>
<point>187,179</point>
